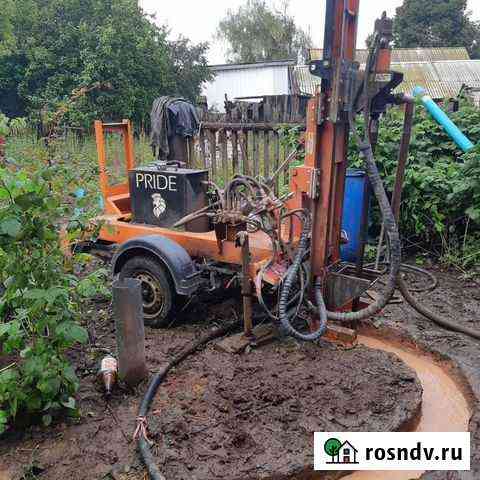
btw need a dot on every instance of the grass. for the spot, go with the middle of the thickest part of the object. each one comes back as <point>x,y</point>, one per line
<point>77,155</point>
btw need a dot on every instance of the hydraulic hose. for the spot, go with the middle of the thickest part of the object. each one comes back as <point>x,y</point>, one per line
<point>441,321</point>
<point>392,235</point>
<point>376,183</point>
<point>433,280</point>
<point>143,443</point>
<point>292,272</point>
<point>428,287</point>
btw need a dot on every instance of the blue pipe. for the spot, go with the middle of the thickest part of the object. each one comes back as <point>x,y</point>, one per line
<point>442,119</point>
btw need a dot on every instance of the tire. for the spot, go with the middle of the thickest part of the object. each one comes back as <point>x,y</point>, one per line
<point>157,290</point>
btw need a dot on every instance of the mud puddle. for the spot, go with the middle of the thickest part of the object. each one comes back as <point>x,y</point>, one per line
<point>444,407</point>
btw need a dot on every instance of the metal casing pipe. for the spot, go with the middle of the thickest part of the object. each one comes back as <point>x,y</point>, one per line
<point>130,331</point>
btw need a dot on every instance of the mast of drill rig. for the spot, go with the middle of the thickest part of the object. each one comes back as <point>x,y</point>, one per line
<point>328,132</point>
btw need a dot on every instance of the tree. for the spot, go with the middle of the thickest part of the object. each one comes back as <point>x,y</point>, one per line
<point>189,66</point>
<point>256,32</point>
<point>436,23</point>
<point>6,25</point>
<point>63,45</point>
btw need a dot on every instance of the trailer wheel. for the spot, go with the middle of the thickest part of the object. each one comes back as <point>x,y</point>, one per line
<point>157,291</point>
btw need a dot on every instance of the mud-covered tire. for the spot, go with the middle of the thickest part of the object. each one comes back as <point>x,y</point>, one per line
<point>158,293</point>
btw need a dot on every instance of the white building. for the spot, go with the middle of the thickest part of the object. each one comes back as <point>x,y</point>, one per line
<point>443,72</point>
<point>247,81</point>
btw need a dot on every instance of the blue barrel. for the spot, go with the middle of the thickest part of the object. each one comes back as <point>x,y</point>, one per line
<point>355,216</point>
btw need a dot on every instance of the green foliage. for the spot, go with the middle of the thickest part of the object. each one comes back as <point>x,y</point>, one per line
<point>12,70</point>
<point>291,139</point>
<point>469,187</point>
<point>256,32</point>
<point>6,34</point>
<point>4,130</point>
<point>441,189</point>
<point>77,43</point>
<point>14,126</point>
<point>41,300</point>
<point>436,23</point>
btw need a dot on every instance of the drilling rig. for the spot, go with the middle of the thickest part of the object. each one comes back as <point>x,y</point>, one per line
<point>180,234</point>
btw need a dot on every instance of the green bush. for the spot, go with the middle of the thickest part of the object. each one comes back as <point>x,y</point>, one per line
<point>440,210</point>
<point>441,200</point>
<point>14,126</point>
<point>41,300</point>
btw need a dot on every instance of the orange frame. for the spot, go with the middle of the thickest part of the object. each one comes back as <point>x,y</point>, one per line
<point>118,227</point>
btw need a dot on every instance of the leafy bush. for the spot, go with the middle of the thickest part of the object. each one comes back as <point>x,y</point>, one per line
<point>3,125</point>
<point>469,187</point>
<point>14,126</point>
<point>441,195</point>
<point>440,201</point>
<point>41,300</point>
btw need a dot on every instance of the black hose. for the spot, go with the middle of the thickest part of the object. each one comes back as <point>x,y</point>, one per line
<point>143,444</point>
<point>392,235</point>
<point>420,308</point>
<point>443,322</point>
<point>432,285</point>
<point>428,287</point>
<point>292,272</point>
<point>394,279</point>
<point>376,183</point>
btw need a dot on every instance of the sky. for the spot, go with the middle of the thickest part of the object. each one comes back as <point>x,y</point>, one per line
<point>198,20</point>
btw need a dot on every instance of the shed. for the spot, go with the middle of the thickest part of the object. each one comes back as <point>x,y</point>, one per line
<point>247,81</point>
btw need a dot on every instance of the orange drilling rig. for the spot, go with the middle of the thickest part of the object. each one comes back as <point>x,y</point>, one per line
<point>179,233</point>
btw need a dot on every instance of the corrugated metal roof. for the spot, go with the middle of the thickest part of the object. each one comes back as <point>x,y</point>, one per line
<point>443,79</point>
<point>409,54</point>
<point>249,66</point>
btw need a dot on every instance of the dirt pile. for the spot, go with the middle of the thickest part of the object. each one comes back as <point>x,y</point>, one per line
<point>252,416</point>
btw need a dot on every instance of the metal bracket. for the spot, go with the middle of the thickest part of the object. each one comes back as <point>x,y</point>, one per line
<point>314,187</point>
<point>384,29</point>
<point>385,84</point>
<point>340,92</point>
<point>351,86</point>
<point>321,110</point>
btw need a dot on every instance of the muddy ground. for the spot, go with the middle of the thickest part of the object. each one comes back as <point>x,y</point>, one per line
<point>458,299</point>
<point>248,416</point>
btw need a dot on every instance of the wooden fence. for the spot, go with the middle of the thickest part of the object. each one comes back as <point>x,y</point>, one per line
<point>249,138</point>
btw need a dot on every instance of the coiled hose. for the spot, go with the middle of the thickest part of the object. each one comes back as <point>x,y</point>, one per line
<point>292,272</point>
<point>405,267</point>
<point>393,238</point>
<point>392,235</point>
<point>143,443</point>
